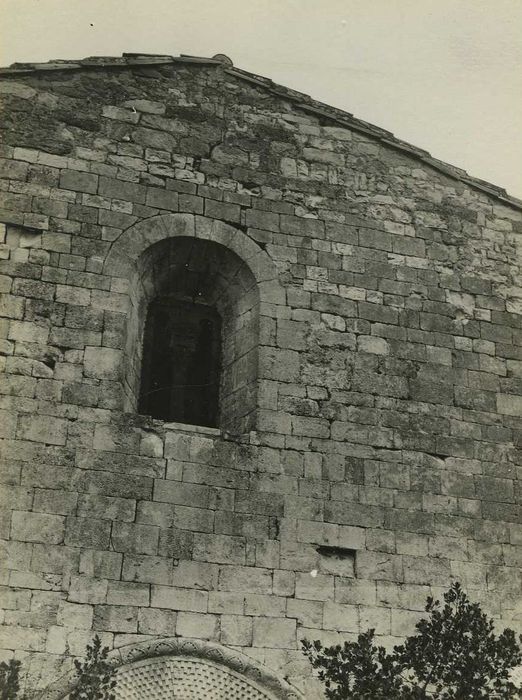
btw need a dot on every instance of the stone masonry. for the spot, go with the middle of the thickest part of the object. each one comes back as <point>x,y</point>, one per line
<point>385,419</point>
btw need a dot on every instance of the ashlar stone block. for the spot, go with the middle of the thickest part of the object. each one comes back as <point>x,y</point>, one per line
<point>37,527</point>
<point>102,363</point>
<point>236,630</point>
<point>275,633</point>
<point>200,626</point>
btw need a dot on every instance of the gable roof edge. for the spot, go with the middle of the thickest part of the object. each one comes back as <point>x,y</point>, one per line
<point>301,100</point>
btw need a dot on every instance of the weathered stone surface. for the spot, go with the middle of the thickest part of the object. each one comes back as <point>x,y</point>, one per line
<point>372,354</point>
<point>275,634</point>
<point>37,527</point>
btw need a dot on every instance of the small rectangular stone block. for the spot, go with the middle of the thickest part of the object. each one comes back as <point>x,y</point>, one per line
<point>134,538</point>
<point>343,618</point>
<point>108,507</point>
<point>128,593</point>
<point>179,598</point>
<point>55,501</point>
<point>87,532</point>
<point>509,404</point>
<point>163,199</point>
<point>100,564</point>
<point>75,615</point>
<point>197,625</point>
<point>102,363</point>
<point>124,115</point>
<point>147,569</point>
<point>265,605</point>
<point>22,638</point>
<point>146,106</point>
<point>377,565</point>
<point>275,633</point>
<point>118,189</point>
<point>320,156</point>
<point>12,599</point>
<point>219,548</point>
<point>78,181</point>
<point>37,527</point>
<point>245,579</point>
<point>222,210</point>
<point>55,559</point>
<point>157,622</point>
<point>308,613</point>
<point>262,219</point>
<point>109,618</point>
<point>195,574</point>
<point>236,630</point>
<point>181,493</point>
<point>314,586</point>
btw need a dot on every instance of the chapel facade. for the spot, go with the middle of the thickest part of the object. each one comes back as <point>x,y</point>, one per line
<point>262,377</point>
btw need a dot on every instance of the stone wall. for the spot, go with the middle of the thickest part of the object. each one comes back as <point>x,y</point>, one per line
<point>384,450</point>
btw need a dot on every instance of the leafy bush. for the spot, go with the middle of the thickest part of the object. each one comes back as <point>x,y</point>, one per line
<point>454,655</point>
<point>9,680</point>
<point>95,676</point>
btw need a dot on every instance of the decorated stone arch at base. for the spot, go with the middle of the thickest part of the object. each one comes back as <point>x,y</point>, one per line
<point>185,669</point>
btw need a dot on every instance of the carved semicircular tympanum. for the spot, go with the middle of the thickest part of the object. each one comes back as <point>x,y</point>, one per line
<point>187,669</point>
<point>185,678</point>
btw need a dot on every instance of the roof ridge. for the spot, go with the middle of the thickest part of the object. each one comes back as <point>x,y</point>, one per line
<point>304,101</point>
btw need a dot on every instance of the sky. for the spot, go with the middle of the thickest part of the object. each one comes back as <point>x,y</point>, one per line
<point>445,75</point>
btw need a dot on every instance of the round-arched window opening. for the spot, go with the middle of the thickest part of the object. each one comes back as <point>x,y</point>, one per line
<point>192,336</point>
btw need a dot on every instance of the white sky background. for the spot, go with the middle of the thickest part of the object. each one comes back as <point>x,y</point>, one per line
<point>445,75</point>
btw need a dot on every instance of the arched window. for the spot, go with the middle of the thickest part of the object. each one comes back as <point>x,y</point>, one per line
<point>192,336</point>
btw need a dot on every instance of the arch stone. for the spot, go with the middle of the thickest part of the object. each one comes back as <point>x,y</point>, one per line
<point>126,250</point>
<point>162,666</point>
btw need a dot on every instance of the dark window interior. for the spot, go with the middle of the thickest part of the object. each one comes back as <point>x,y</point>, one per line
<point>181,362</point>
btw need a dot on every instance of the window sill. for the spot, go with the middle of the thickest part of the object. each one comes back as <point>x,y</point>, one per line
<point>187,428</point>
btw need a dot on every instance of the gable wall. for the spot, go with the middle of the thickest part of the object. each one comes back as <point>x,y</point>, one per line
<point>390,378</point>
